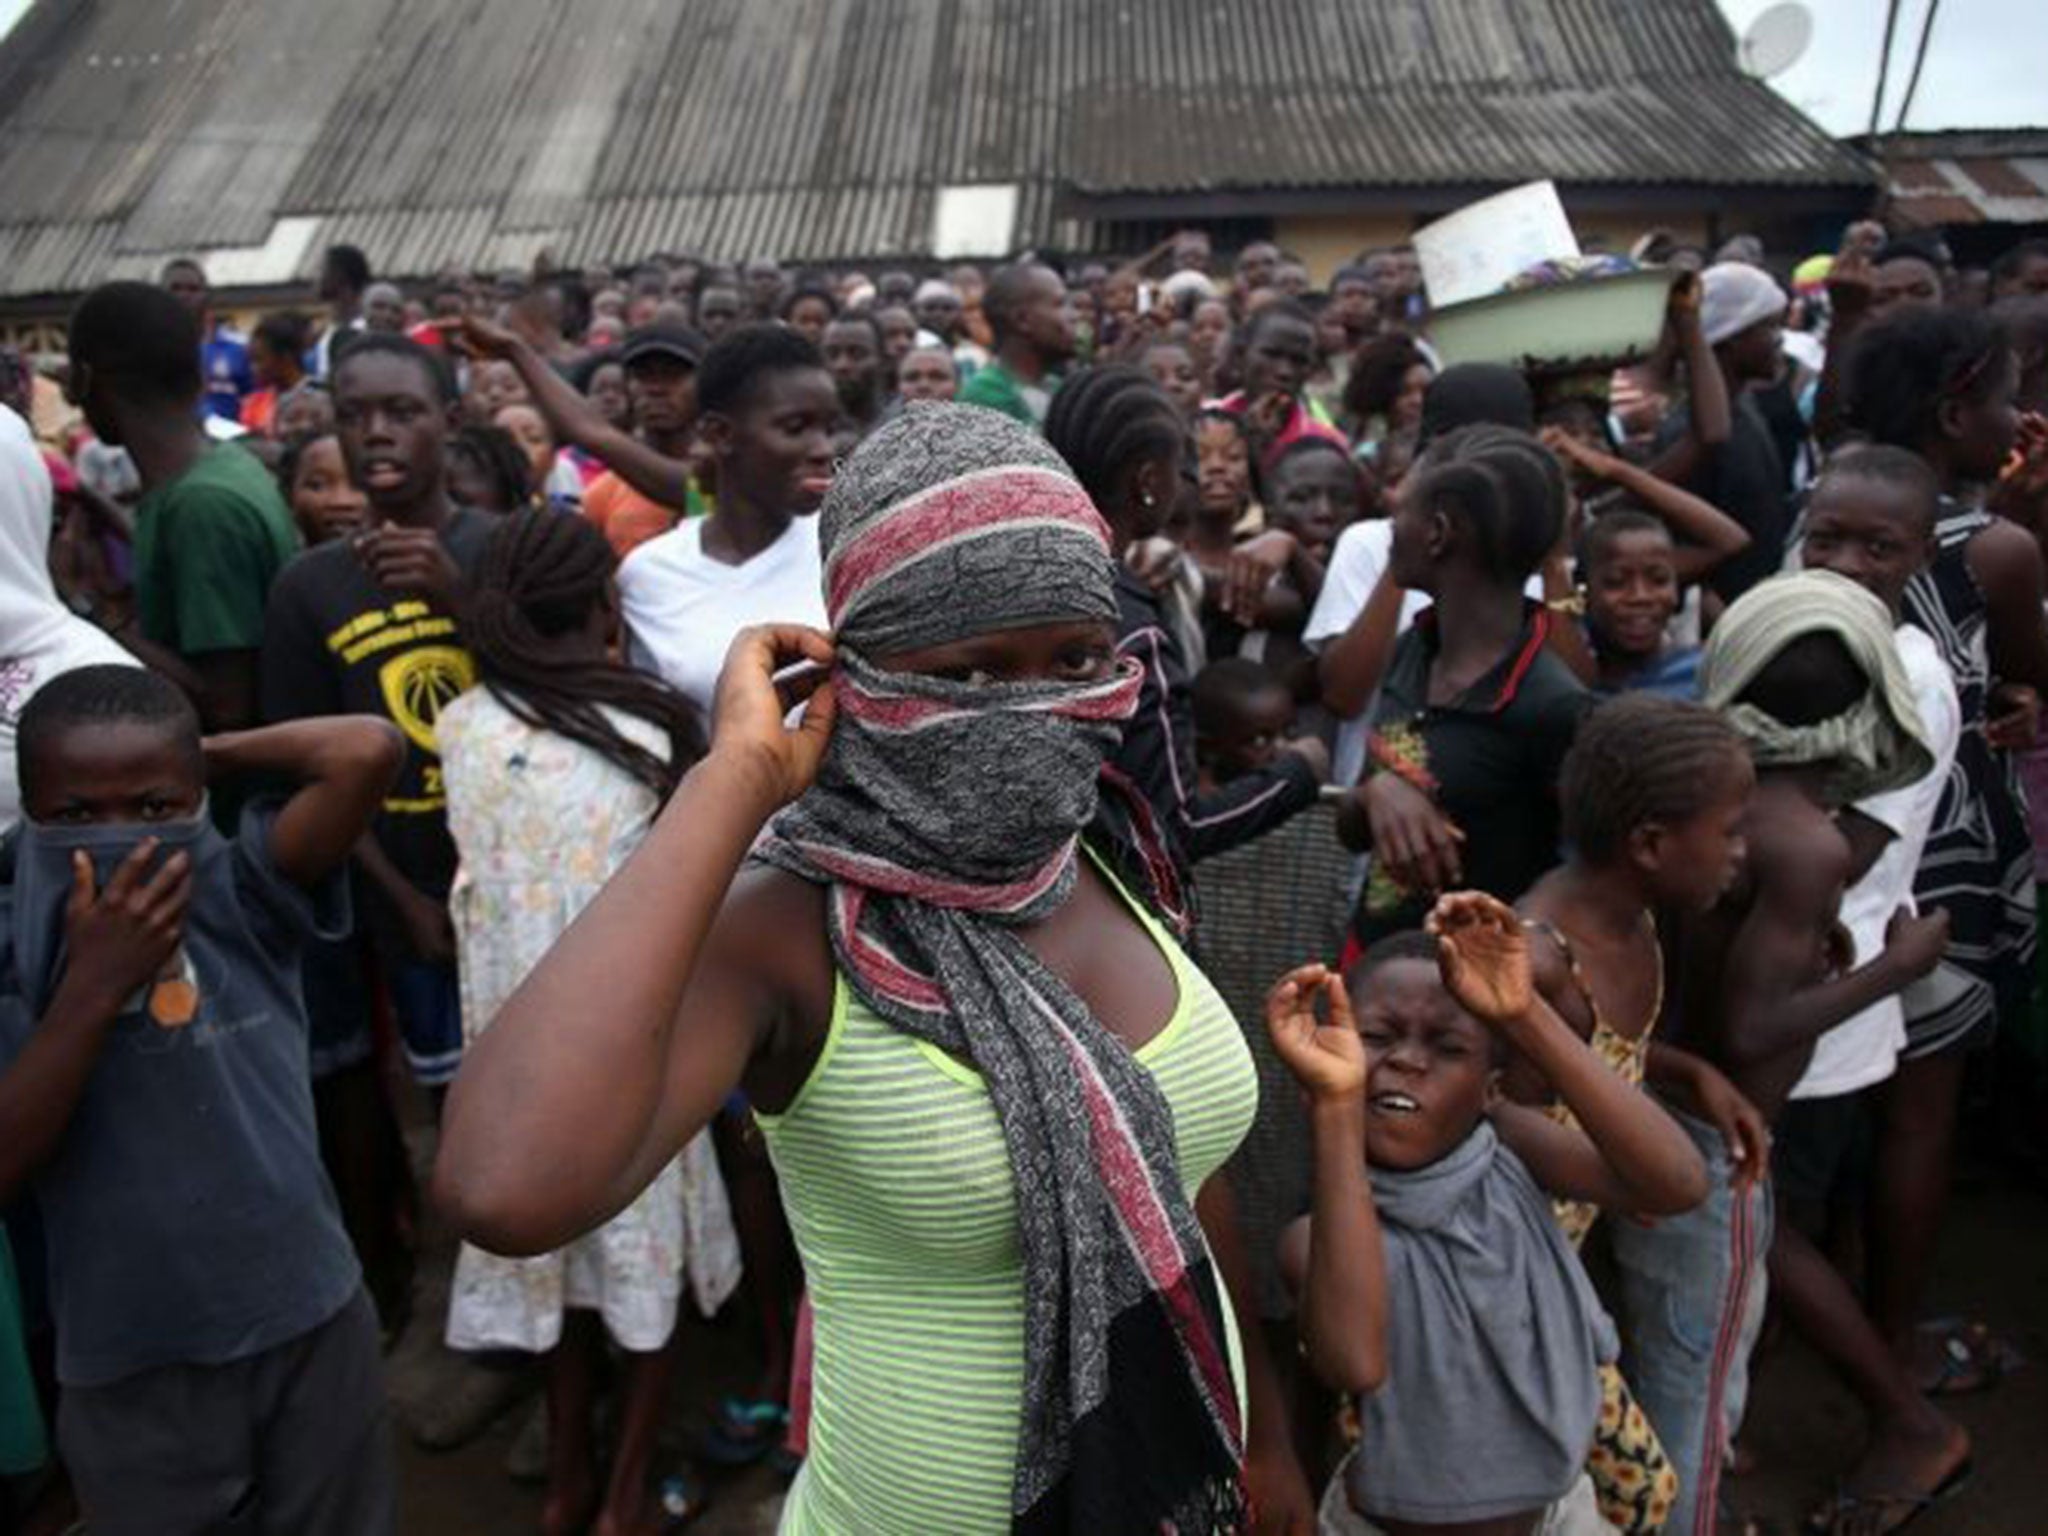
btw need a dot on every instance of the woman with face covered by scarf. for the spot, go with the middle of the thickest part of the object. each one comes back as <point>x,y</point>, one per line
<point>995,1089</point>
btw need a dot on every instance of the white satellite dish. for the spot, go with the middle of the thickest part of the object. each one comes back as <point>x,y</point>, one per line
<point>1776,40</point>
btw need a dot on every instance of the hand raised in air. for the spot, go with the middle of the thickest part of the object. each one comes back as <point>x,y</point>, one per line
<point>1484,956</point>
<point>1326,1055</point>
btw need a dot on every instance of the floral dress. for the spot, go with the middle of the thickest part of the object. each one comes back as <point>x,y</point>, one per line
<point>541,823</point>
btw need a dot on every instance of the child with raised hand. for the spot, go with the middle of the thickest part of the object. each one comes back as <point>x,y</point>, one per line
<point>218,1356</point>
<point>1480,1406</point>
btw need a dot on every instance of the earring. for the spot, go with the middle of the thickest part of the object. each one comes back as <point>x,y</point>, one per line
<point>1147,500</point>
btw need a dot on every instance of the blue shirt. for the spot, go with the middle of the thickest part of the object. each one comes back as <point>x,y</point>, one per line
<point>189,1219</point>
<point>1675,674</point>
<point>224,365</point>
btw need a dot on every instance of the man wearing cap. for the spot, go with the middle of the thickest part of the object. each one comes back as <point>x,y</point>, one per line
<point>661,381</point>
<point>1742,317</point>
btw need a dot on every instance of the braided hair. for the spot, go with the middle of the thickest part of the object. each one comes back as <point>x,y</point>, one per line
<point>543,574</point>
<point>1105,421</point>
<point>1505,490</point>
<point>1908,364</point>
<point>1638,758</point>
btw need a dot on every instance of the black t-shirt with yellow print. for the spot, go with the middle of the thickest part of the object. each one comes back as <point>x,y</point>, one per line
<point>334,642</point>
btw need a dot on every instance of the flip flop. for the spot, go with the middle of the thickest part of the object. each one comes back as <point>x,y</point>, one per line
<point>1828,1519</point>
<point>743,1432</point>
<point>1973,1358</point>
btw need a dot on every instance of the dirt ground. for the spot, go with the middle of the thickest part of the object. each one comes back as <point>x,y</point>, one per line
<point>1803,1427</point>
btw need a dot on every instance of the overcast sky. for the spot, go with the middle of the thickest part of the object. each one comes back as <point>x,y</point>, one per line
<point>1987,63</point>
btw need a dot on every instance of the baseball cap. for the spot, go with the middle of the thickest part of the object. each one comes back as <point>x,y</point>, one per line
<point>662,340</point>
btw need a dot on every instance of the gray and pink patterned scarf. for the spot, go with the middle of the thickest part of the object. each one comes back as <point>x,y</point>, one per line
<point>947,816</point>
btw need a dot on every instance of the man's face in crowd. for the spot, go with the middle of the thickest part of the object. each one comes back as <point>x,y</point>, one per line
<point>1904,282</point>
<point>1191,251</point>
<point>663,390</point>
<point>187,284</point>
<point>1256,265</point>
<point>718,311</point>
<point>764,286</point>
<point>384,308</point>
<point>854,360</point>
<point>1045,318</point>
<point>939,313</point>
<point>927,373</point>
<point>899,332</point>
<point>393,424</point>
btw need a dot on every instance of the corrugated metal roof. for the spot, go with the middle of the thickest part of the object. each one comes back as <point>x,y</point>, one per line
<point>485,131</point>
<point>1967,176</point>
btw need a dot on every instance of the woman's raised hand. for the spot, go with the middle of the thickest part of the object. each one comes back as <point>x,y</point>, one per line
<point>749,712</point>
<point>1484,956</point>
<point>1326,1055</point>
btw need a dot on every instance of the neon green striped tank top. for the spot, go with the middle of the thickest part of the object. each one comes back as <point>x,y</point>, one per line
<point>899,1194</point>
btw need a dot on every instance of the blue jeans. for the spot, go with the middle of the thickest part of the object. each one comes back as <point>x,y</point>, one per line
<point>1692,1292</point>
<point>429,1007</point>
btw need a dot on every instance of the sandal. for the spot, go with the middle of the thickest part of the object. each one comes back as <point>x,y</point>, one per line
<point>743,1432</point>
<point>1973,1358</point>
<point>1871,1514</point>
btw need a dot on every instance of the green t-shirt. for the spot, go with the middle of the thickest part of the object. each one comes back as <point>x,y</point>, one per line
<point>206,549</point>
<point>997,389</point>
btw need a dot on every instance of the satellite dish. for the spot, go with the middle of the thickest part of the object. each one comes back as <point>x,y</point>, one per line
<point>1776,40</point>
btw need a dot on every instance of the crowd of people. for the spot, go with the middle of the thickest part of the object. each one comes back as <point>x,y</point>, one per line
<point>775,758</point>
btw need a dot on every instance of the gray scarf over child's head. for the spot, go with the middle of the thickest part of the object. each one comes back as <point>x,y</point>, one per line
<point>948,814</point>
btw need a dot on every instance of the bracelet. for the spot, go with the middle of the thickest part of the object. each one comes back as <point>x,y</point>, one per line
<point>1572,605</point>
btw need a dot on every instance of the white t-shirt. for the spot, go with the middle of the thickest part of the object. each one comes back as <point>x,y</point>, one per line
<point>1865,1049</point>
<point>682,608</point>
<point>1356,563</point>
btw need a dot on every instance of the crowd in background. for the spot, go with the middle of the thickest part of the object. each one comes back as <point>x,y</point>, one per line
<point>400,618</point>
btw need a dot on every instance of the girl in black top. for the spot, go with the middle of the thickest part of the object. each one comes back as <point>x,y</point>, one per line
<point>1475,713</point>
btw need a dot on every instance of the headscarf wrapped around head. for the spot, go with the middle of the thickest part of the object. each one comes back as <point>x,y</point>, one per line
<point>946,816</point>
<point>1879,743</point>
<point>1734,296</point>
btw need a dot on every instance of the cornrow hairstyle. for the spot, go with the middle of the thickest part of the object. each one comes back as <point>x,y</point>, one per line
<point>499,458</point>
<point>1504,488</point>
<point>1596,544</point>
<point>1105,421</point>
<point>1905,366</point>
<point>542,575</point>
<point>744,358</point>
<point>1639,758</point>
<point>103,695</point>
<point>433,364</point>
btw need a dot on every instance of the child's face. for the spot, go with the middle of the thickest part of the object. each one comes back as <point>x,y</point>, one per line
<point>1431,1076</point>
<point>1257,727</point>
<point>118,772</point>
<point>1875,533</point>
<point>1693,865</point>
<point>1632,593</point>
<point>1225,467</point>
<point>1316,494</point>
<point>324,500</point>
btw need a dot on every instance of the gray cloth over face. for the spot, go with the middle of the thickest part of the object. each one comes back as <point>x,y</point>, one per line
<point>947,815</point>
<point>1494,1345</point>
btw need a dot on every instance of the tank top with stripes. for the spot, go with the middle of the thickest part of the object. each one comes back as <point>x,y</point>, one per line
<point>899,1193</point>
